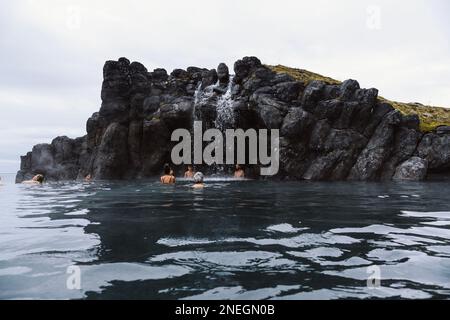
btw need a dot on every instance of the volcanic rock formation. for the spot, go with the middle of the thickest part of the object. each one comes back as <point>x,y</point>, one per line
<point>328,131</point>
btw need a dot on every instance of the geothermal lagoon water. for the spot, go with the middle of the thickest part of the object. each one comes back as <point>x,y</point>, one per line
<point>232,240</point>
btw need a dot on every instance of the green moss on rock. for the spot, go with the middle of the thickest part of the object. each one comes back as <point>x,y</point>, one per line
<point>430,117</point>
<point>302,75</point>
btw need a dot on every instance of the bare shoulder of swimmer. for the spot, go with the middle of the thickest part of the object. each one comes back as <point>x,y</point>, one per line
<point>30,182</point>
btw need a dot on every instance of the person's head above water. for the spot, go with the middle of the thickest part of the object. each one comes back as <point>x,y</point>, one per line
<point>198,177</point>
<point>38,178</point>
<point>167,169</point>
<point>189,172</point>
<point>239,171</point>
<point>168,177</point>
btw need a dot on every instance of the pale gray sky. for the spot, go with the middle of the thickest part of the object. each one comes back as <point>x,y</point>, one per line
<point>52,51</point>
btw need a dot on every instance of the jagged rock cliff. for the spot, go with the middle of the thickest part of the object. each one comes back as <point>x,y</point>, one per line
<point>328,131</point>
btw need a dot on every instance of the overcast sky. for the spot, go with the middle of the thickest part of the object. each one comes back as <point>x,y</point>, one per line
<point>52,52</point>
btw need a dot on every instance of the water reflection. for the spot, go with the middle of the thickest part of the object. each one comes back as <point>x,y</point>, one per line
<point>230,240</point>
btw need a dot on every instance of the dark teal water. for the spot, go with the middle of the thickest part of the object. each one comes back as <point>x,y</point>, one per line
<point>232,240</point>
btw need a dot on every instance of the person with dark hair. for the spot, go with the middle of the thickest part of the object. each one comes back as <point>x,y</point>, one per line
<point>88,178</point>
<point>37,179</point>
<point>189,174</point>
<point>168,177</point>
<point>239,172</point>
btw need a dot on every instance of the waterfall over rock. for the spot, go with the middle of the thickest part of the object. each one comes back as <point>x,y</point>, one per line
<point>328,130</point>
<point>225,114</point>
<point>216,97</point>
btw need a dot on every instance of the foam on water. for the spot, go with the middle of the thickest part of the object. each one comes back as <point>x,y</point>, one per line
<point>216,179</point>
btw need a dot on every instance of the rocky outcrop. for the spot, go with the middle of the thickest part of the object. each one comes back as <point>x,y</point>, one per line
<point>327,131</point>
<point>59,160</point>
<point>435,148</point>
<point>414,169</point>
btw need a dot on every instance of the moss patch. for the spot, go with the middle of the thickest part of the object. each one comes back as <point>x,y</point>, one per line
<point>301,75</point>
<point>430,117</point>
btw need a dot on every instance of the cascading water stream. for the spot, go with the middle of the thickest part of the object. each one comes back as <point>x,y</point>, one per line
<point>225,114</point>
<point>197,96</point>
<point>224,111</point>
<point>224,106</point>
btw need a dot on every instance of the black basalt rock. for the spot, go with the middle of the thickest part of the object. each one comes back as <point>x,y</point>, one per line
<point>369,163</point>
<point>159,75</point>
<point>209,78</point>
<point>312,95</point>
<point>111,161</point>
<point>435,148</point>
<point>243,68</point>
<point>328,131</point>
<point>223,74</point>
<point>297,124</point>
<point>414,169</point>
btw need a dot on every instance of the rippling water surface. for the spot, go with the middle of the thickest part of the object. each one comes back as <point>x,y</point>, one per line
<point>232,240</point>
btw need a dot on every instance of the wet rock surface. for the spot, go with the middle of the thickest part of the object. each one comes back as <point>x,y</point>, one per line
<point>414,169</point>
<point>327,131</point>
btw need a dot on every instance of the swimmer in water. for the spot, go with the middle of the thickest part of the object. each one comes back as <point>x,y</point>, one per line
<point>239,172</point>
<point>168,177</point>
<point>37,179</point>
<point>88,178</point>
<point>189,174</point>
<point>198,181</point>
